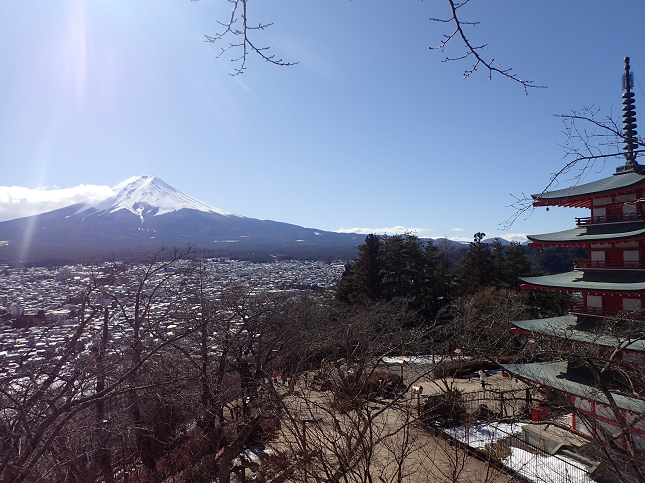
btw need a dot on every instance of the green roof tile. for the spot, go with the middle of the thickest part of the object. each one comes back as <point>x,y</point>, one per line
<point>570,328</point>
<point>554,374</point>
<point>597,233</point>
<point>605,281</point>
<point>605,185</point>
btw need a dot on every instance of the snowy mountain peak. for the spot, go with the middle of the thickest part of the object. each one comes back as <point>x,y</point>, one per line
<point>149,194</point>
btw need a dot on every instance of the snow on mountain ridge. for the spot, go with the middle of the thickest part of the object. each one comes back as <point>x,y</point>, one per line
<point>140,193</point>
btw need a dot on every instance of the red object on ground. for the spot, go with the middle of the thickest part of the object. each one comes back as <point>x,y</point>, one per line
<point>505,374</point>
<point>539,414</point>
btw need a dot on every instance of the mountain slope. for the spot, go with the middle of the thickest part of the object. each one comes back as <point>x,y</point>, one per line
<point>145,213</point>
<point>151,196</point>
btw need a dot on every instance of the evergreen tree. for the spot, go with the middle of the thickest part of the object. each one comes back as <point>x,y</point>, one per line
<point>477,267</point>
<point>362,278</point>
<point>404,266</point>
<point>498,263</point>
<point>447,270</point>
<point>389,267</point>
<point>436,289</point>
<point>369,267</point>
<point>516,264</point>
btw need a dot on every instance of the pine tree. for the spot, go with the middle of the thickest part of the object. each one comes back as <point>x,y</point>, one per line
<point>516,264</point>
<point>362,278</point>
<point>369,267</point>
<point>477,267</point>
<point>498,263</point>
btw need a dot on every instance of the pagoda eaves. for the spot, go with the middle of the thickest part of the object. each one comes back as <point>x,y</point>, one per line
<point>570,327</point>
<point>586,235</point>
<point>554,374</point>
<point>579,281</point>
<point>582,196</point>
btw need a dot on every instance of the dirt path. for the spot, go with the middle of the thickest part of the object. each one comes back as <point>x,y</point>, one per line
<point>381,439</point>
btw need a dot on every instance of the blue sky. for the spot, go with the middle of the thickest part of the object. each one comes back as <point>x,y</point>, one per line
<point>370,130</point>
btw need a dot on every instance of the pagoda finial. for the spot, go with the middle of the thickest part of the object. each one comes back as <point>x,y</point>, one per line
<point>629,117</point>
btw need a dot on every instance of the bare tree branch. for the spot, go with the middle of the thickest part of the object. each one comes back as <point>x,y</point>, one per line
<point>474,51</point>
<point>239,28</point>
<point>596,140</point>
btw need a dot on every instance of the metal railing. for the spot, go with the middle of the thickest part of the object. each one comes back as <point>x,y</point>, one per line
<point>533,463</point>
<point>600,265</point>
<point>579,309</point>
<point>481,433</point>
<point>609,219</point>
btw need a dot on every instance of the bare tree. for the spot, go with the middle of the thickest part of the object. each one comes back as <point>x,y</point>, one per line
<point>479,323</point>
<point>351,421</point>
<point>63,413</point>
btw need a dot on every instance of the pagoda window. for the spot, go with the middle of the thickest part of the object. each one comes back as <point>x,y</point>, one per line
<point>599,214</point>
<point>629,211</point>
<point>594,303</point>
<point>632,305</point>
<point>631,258</point>
<point>582,404</point>
<point>625,198</point>
<point>602,201</point>
<point>597,258</point>
<point>633,358</point>
<point>605,412</point>
<point>631,244</point>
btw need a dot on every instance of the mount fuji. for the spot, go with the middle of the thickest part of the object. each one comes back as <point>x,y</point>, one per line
<point>145,213</point>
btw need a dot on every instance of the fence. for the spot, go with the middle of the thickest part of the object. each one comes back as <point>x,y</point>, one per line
<point>488,423</point>
<point>499,444</point>
<point>491,404</point>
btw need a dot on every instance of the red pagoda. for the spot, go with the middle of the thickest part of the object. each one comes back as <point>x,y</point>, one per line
<point>601,363</point>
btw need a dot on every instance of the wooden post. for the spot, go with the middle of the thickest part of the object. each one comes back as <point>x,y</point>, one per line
<point>502,409</point>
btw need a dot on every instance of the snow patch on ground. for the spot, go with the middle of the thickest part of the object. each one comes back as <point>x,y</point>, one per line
<point>430,359</point>
<point>546,469</point>
<point>533,467</point>
<point>478,436</point>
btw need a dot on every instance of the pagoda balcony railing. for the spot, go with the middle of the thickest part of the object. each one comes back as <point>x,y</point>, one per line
<point>603,265</point>
<point>579,309</point>
<point>609,219</point>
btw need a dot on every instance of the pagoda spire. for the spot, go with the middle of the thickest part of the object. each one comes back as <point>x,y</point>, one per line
<point>629,117</point>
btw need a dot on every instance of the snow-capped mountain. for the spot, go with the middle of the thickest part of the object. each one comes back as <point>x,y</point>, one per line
<point>149,195</point>
<point>145,213</point>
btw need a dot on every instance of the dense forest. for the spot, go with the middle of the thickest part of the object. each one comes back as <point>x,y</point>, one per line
<point>432,275</point>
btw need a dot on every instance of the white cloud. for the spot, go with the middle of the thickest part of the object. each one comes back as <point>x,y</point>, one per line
<point>16,201</point>
<point>456,229</point>
<point>395,230</point>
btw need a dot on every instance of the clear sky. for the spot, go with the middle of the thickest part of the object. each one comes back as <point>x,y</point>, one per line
<point>370,130</point>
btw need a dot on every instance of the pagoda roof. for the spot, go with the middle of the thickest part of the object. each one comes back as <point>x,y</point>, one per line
<point>570,327</point>
<point>585,235</point>
<point>581,195</point>
<point>557,376</point>
<point>590,281</point>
